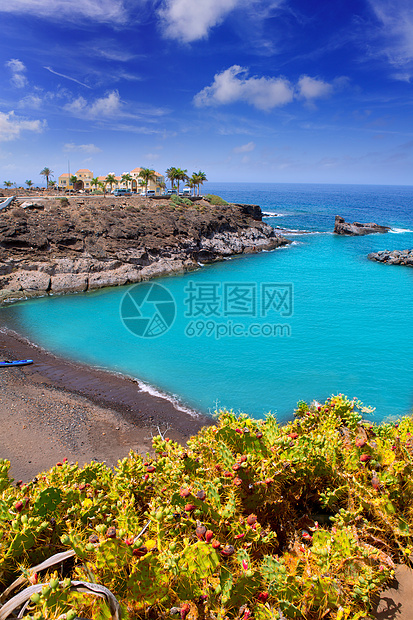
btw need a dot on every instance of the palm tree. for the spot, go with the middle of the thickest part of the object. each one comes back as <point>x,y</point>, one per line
<point>29,183</point>
<point>46,172</point>
<point>110,180</point>
<point>192,182</point>
<point>8,183</point>
<point>147,174</point>
<point>201,177</point>
<point>73,180</point>
<point>94,182</point>
<point>126,178</point>
<point>171,175</point>
<point>180,175</point>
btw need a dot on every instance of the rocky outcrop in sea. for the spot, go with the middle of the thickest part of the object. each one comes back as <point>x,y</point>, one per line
<point>92,242</point>
<point>396,257</point>
<point>355,229</point>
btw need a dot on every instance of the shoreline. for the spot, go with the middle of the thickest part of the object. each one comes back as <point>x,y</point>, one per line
<point>56,408</point>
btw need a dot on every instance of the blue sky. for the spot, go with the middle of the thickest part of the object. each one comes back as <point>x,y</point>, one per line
<point>245,90</point>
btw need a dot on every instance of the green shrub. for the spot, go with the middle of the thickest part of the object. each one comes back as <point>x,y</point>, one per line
<point>299,521</point>
<point>178,200</point>
<point>64,202</point>
<point>215,200</point>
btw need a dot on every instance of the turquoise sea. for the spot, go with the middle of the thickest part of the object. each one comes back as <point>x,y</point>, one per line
<point>316,317</point>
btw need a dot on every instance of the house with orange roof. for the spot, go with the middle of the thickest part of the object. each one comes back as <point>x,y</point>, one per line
<point>84,181</point>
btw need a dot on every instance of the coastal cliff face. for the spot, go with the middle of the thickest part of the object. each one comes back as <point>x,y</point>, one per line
<point>355,229</point>
<point>91,243</point>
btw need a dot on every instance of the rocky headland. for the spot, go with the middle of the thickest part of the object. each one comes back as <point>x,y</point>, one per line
<point>396,257</point>
<point>355,229</point>
<point>55,246</point>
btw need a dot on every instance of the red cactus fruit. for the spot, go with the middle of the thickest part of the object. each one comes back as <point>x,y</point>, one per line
<point>59,464</point>
<point>185,609</point>
<point>185,492</point>
<point>111,532</point>
<point>263,597</point>
<point>306,535</point>
<point>189,507</point>
<point>293,435</point>
<point>236,466</point>
<point>129,541</point>
<point>201,495</point>
<point>239,535</point>
<point>239,431</point>
<point>268,481</point>
<point>18,506</point>
<point>200,532</point>
<point>146,476</point>
<point>93,538</point>
<point>237,481</point>
<point>251,519</point>
<point>150,469</point>
<point>360,442</point>
<point>258,435</point>
<point>209,535</point>
<point>365,458</point>
<point>218,467</point>
<point>19,483</point>
<point>228,474</point>
<point>243,458</point>
<point>138,553</point>
<point>65,459</point>
<point>227,551</point>
<point>216,544</point>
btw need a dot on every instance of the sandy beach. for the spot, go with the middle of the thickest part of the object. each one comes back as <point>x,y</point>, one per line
<point>55,408</point>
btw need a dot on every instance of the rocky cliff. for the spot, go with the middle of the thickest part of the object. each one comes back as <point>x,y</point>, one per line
<point>341,227</point>
<point>86,243</point>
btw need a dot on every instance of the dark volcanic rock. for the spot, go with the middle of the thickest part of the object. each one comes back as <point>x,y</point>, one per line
<point>94,242</point>
<point>397,257</point>
<point>341,227</point>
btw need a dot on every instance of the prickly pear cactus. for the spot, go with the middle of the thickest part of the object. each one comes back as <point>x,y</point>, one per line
<point>250,519</point>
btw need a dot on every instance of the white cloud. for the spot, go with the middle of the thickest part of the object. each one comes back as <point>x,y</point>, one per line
<point>264,93</point>
<point>104,11</point>
<point>396,19</point>
<point>31,101</point>
<point>106,106</point>
<point>84,148</point>
<point>188,20</point>
<point>17,68</point>
<point>313,88</point>
<point>11,126</point>
<point>245,148</point>
<point>233,85</point>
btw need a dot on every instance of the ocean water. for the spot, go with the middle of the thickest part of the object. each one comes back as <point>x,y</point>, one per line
<point>257,333</point>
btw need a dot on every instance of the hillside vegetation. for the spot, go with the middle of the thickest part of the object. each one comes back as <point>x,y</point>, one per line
<point>250,519</point>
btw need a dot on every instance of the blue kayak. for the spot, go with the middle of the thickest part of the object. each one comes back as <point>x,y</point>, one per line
<point>16,363</point>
